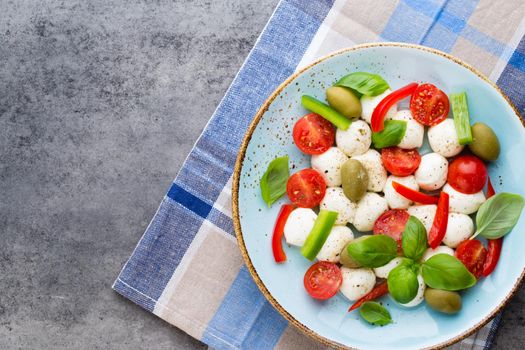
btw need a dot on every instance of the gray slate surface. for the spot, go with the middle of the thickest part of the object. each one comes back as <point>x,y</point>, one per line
<point>100,101</point>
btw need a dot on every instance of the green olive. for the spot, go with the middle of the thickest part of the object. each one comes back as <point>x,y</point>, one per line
<point>344,101</point>
<point>443,300</point>
<point>355,179</point>
<point>485,143</point>
<point>346,259</point>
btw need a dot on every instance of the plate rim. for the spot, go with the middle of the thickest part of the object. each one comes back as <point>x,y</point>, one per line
<point>236,183</point>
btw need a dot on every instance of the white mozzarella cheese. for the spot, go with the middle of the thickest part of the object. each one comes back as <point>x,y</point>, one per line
<point>335,200</point>
<point>394,199</point>
<point>443,138</point>
<point>464,203</point>
<point>459,228</point>
<point>369,103</point>
<point>432,172</point>
<point>383,271</point>
<point>415,132</point>
<point>369,208</point>
<point>339,237</point>
<point>355,140</point>
<point>329,165</point>
<point>442,249</point>
<point>425,214</point>
<point>298,226</point>
<point>357,282</point>
<point>373,165</point>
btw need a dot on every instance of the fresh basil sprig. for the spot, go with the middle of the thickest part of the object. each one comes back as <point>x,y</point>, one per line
<point>498,215</point>
<point>446,272</point>
<point>391,135</point>
<point>364,83</point>
<point>375,314</point>
<point>402,282</point>
<point>414,239</point>
<point>273,181</point>
<point>373,251</point>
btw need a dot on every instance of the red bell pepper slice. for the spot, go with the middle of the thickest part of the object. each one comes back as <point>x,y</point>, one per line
<point>413,195</point>
<point>379,113</point>
<point>439,226</point>
<point>377,292</point>
<point>493,254</point>
<point>494,245</point>
<point>278,231</point>
<point>490,189</point>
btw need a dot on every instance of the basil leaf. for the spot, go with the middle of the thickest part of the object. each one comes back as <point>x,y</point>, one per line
<point>402,282</point>
<point>373,251</point>
<point>364,83</point>
<point>273,181</point>
<point>446,272</point>
<point>414,239</point>
<point>375,314</point>
<point>498,215</point>
<point>391,135</point>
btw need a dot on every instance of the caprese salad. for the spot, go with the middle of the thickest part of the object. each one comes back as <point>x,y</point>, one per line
<point>379,216</point>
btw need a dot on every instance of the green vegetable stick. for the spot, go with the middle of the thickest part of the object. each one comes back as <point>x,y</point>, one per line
<point>326,112</point>
<point>461,117</point>
<point>316,238</point>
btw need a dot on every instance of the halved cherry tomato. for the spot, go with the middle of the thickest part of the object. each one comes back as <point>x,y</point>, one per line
<point>413,195</point>
<point>439,226</point>
<point>278,231</point>
<point>378,291</point>
<point>493,254</point>
<point>322,280</point>
<point>467,174</point>
<point>472,254</point>
<point>379,113</point>
<point>306,188</point>
<point>400,162</point>
<point>313,134</point>
<point>392,223</point>
<point>429,105</point>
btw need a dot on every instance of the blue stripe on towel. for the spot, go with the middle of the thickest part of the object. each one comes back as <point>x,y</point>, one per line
<point>440,27</point>
<point>513,76</point>
<point>245,319</point>
<point>210,164</point>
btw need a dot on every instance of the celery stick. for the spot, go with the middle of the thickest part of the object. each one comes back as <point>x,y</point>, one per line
<point>326,112</point>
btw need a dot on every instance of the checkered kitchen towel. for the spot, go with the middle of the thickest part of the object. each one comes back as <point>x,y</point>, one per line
<point>189,251</point>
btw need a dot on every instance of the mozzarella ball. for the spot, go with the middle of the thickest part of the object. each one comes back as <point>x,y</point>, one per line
<point>357,282</point>
<point>335,200</point>
<point>329,164</point>
<point>298,226</point>
<point>432,172</point>
<point>414,132</point>
<point>369,103</point>
<point>394,199</point>
<point>383,271</point>
<point>464,203</point>
<point>443,138</point>
<point>420,296</point>
<point>369,208</point>
<point>459,228</point>
<point>373,164</point>
<point>425,214</point>
<point>355,140</point>
<point>339,237</point>
<point>442,249</point>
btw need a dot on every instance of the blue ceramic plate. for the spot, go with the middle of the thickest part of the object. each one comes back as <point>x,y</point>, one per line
<point>270,136</point>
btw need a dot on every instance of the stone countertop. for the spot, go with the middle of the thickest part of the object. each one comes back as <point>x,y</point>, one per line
<point>100,102</point>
